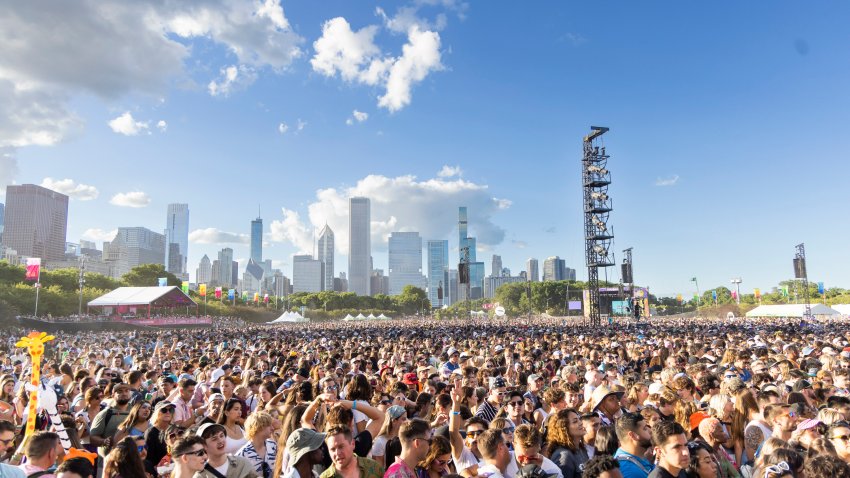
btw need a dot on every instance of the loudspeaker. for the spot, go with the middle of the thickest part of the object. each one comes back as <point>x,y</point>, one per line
<point>799,268</point>
<point>463,273</point>
<point>627,273</point>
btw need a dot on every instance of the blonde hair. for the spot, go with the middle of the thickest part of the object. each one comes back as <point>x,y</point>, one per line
<point>256,422</point>
<point>828,416</point>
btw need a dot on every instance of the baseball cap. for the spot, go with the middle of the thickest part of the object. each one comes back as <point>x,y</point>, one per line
<point>207,429</point>
<point>163,404</point>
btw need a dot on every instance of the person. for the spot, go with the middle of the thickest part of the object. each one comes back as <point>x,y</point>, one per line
<point>606,441</point>
<point>304,447</point>
<point>465,453</point>
<point>435,464</point>
<point>394,417</point>
<point>124,461</point>
<point>671,450</point>
<point>42,450</point>
<point>603,466</point>
<point>190,456</point>
<point>7,440</point>
<point>527,448</point>
<point>76,467</point>
<point>839,434</point>
<point>606,403</point>
<point>106,423</point>
<point>703,463</point>
<point>591,423</point>
<point>136,423</point>
<point>154,435</point>
<point>826,465</point>
<point>219,463</point>
<point>495,454</point>
<point>566,447</point>
<point>231,419</point>
<point>184,414</point>
<point>345,464</point>
<point>635,437</point>
<point>491,405</point>
<point>712,432</point>
<point>260,450</point>
<point>415,438</point>
<point>515,408</point>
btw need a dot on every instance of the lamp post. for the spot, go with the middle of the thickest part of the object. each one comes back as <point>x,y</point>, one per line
<point>737,281</point>
<point>82,281</point>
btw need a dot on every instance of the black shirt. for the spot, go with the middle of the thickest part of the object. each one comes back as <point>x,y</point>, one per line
<point>156,445</point>
<point>659,472</point>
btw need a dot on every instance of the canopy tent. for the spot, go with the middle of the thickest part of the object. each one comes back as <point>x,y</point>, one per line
<point>383,317</point>
<point>289,317</point>
<point>360,316</point>
<point>843,309</point>
<point>348,318</point>
<point>371,317</point>
<point>790,310</point>
<point>132,300</point>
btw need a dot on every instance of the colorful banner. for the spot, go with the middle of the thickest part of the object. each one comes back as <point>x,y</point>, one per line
<point>244,296</point>
<point>785,290</point>
<point>757,293</point>
<point>696,298</point>
<point>231,294</point>
<point>734,295</point>
<point>714,295</point>
<point>162,281</point>
<point>202,290</point>
<point>257,297</point>
<point>820,288</point>
<point>165,321</point>
<point>185,287</point>
<point>33,268</point>
<point>679,298</point>
<point>218,292</point>
<point>266,298</point>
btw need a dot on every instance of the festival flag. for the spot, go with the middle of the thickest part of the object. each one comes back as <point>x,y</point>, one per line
<point>785,290</point>
<point>820,288</point>
<point>679,298</point>
<point>757,293</point>
<point>734,295</point>
<point>256,297</point>
<point>33,267</point>
<point>696,298</point>
<point>202,290</point>
<point>266,298</point>
<point>244,296</point>
<point>231,294</point>
<point>185,287</point>
<point>714,295</point>
<point>162,281</point>
<point>218,292</point>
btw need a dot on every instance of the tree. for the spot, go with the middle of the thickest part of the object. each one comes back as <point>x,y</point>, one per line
<point>147,275</point>
<point>411,299</point>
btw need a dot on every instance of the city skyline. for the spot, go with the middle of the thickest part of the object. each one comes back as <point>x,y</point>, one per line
<point>423,107</point>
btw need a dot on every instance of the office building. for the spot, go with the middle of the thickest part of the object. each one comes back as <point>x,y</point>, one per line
<point>35,222</point>
<point>203,274</point>
<point>307,274</point>
<point>177,240</point>
<point>257,240</point>
<point>379,284</point>
<point>450,295</point>
<point>405,261</point>
<point>496,266</point>
<point>359,244</point>
<point>467,251</point>
<point>2,215</point>
<point>224,275</point>
<point>341,283</point>
<point>438,263</point>
<point>252,278</point>
<point>492,284</point>
<point>555,268</point>
<point>132,247</point>
<point>326,256</point>
<point>531,271</point>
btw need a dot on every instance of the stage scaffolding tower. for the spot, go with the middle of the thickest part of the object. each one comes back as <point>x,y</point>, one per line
<point>597,207</point>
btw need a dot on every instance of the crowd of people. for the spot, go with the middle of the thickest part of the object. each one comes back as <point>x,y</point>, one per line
<point>512,398</point>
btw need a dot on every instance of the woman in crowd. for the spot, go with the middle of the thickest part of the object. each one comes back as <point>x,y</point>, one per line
<point>436,462</point>
<point>394,417</point>
<point>508,428</point>
<point>702,463</point>
<point>231,418</point>
<point>136,423</point>
<point>260,450</point>
<point>566,447</point>
<point>155,434</point>
<point>124,461</point>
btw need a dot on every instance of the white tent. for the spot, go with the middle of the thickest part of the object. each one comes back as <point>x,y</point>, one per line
<point>371,317</point>
<point>843,309</point>
<point>790,310</point>
<point>360,316</point>
<point>289,317</point>
<point>348,318</point>
<point>383,317</point>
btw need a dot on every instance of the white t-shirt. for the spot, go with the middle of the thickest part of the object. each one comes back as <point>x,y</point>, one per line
<point>467,460</point>
<point>223,468</point>
<point>489,471</point>
<point>379,446</point>
<point>548,466</point>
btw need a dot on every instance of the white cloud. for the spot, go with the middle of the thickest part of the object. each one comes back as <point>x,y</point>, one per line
<point>162,126</point>
<point>671,181</point>
<point>300,125</point>
<point>126,125</point>
<point>519,244</point>
<point>232,78</point>
<point>131,199</point>
<point>503,203</point>
<point>99,235</point>
<point>406,17</point>
<point>357,116</point>
<point>212,235</point>
<point>282,128</point>
<point>403,203</point>
<point>357,59</point>
<point>450,171</point>
<point>70,188</point>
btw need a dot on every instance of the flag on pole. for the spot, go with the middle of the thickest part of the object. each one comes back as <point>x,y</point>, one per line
<point>218,292</point>
<point>757,293</point>
<point>696,298</point>
<point>734,295</point>
<point>693,279</point>
<point>820,288</point>
<point>266,298</point>
<point>785,290</point>
<point>679,298</point>
<point>714,295</point>
<point>185,287</point>
<point>244,296</point>
<point>33,266</point>
<point>231,294</point>
<point>202,290</point>
<point>256,297</point>
<point>162,281</point>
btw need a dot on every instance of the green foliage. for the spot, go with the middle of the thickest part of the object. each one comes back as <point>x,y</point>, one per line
<point>147,275</point>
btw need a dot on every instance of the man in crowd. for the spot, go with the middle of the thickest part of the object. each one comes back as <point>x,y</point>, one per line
<point>106,422</point>
<point>219,463</point>
<point>635,439</point>
<point>42,451</point>
<point>7,440</point>
<point>671,450</point>
<point>415,437</point>
<point>495,454</point>
<point>345,463</point>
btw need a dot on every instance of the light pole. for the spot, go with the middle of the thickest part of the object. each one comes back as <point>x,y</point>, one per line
<point>82,281</point>
<point>699,299</point>
<point>737,281</point>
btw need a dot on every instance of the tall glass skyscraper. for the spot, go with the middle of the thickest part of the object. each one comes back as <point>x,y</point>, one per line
<point>326,256</point>
<point>177,240</point>
<point>36,222</point>
<point>257,240</point>
<point>359,245</point>
<point>405,261</point>
<point>438,264</point>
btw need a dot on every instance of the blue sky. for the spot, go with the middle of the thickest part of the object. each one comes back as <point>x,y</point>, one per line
<point>729,125</point>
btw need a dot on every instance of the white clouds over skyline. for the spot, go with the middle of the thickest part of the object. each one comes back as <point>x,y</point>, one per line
<point>670,181</point>
<point>134,199</point>
<point>71,188</point>
<point>99,235</point>
<point>127,125</point>
<point>213,235</point>
<point>449,171</point>
<point>357,116</point>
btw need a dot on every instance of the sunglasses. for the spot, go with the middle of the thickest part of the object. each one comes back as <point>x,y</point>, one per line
<point>198,453</point>
<point>472,434</point>
<point>841,437</point>
<point>142,448</point>
<point>777,468</point>
<point>515,403</point>
<point>508,429</point>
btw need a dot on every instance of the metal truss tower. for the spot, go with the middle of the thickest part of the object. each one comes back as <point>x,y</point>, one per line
<point>597,208</point>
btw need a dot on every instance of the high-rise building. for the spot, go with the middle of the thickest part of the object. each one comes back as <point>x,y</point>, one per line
<point>451,296</point>
<point>492,284</point>
<point>379,284</point>
<point>438,263</point>
<point>35,222</point>
<point>2,215</point>
<point>405,261</point>
<point>496,266</point>
<point>359,244</point>
<point>326,256</point>
<point>307,274</point>
<point>466,248</point>
<point>341,283</point>
<point>257,240</point>
<point>555,268</point>
<point>531,271</point>
<point>203,275</point>
<point>177,240</point>
<point>224,275</point>
<point>132,247</point>
<point>234,274</point>
<point>252,279</point>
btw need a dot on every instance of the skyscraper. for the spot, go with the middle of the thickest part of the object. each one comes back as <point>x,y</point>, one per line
<point>438,263</point>
<point>475,270</point>
<point>496,266</point>
<point>306,274</point>
<point>531,270</point>
<point>177,240</point>
<point>326,256</point>
<point>257,240</point>
<point>204,273</point>
<point>35,222</point>
<point>225,267</point>
<point>405,261</point>
<point>555,268</point>
<point>359,245</point>
<point>2,214</point>
<point>132,247</point>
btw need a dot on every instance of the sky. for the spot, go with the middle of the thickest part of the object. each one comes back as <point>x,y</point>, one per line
<point>728,126</point>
